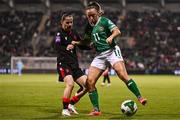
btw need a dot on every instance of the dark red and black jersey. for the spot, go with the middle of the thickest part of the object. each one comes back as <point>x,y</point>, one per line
<point>62,40</point>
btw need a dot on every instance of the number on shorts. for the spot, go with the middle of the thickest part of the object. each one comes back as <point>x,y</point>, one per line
<point>117,52</point>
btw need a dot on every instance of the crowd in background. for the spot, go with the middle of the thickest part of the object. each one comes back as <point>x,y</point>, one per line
<point>150,39</point>
<point>16,30</point>
<point>156,39</point>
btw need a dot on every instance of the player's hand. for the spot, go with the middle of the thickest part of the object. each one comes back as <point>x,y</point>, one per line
<point>75,42</point>
<point>70,47</point>
<point>109,40</point>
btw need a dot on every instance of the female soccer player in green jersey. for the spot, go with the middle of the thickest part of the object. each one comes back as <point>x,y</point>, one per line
<point>102,33</point>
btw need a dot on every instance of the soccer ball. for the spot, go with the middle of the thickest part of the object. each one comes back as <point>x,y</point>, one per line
<point>128,107</point>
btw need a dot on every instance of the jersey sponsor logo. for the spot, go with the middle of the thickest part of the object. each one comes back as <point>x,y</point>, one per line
<point>58,34</point>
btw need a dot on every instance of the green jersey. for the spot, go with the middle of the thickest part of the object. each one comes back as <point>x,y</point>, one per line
<point>99,33</point>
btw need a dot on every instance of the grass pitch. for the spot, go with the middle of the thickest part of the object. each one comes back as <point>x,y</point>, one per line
<point>39,97</point>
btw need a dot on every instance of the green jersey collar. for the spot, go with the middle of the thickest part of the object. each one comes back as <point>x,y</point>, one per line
<point>98,21</point>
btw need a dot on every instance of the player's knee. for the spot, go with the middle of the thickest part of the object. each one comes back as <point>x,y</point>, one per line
<point>90,81</point>
<point>70,85</point>
<point>89,85</point>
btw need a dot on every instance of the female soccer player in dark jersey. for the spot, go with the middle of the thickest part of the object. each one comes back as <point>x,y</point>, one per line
<point>67,63</point>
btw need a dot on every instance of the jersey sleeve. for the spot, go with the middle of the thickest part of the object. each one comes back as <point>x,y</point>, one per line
<point>87,35</point>
<point>76,36</point>
<point>109,24</point>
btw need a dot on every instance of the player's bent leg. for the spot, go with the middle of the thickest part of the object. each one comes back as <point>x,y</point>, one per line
<point>81,81</point>
<point>122,73</point>
<point>79,90</point>
<point>74,100</point>
<point>120,69</point>
<point>81,87</point>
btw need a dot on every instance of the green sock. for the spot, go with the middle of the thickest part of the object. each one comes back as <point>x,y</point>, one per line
<point>94,99</point>
<point>133,88</point>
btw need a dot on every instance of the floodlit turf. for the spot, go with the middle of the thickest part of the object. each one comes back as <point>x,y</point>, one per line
<point>38,97</point>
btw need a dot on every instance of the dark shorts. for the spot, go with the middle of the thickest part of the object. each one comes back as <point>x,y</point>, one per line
<point>69,69</point>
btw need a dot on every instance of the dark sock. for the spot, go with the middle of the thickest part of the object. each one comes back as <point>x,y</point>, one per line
<point>108,79</point>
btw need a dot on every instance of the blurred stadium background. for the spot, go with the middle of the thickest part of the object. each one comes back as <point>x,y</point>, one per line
<point>150,40</point>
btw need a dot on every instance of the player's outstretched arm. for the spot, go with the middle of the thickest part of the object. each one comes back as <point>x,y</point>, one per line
<point>75,43</point>
<point>83,45</point>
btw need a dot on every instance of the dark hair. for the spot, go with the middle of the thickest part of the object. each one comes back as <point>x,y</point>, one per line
<point>96,6</point>
<point>65,14</point>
